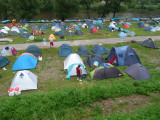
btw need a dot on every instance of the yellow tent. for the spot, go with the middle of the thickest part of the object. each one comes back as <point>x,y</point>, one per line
<point>52,36</point>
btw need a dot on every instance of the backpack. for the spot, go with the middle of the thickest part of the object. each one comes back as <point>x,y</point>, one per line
<point>14,51</point>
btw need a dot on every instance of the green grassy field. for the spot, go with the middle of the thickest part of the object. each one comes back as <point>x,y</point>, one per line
<point>67,99</point>
<point>104,33</point>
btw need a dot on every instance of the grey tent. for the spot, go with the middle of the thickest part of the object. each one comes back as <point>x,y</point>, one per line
<point>34,49</point>
<point>92,58</point>
<point>131,33</point>
<point>103,26</point>
<point>70,33</point>
<point>138,72</point>
<point>104,73</point>
<point>13,33</point>
<point>79,32</point>
<point>83,51</point>
<point>3,34</point>
<point>151,43</point>
<point>3,61</point>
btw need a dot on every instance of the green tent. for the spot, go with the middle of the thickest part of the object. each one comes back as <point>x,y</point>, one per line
<point>150,43</point>
<point>3,61</point>
<point>34,49</point>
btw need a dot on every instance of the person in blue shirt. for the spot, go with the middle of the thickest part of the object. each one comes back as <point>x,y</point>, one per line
<point>44,42</point>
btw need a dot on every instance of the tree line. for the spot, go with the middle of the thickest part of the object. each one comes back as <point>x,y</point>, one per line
<point>63,9</point>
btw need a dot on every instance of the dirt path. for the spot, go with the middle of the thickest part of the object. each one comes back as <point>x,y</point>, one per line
<point>83,42</point>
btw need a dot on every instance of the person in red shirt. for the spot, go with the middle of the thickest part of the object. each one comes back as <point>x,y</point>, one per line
<point>79,72</point>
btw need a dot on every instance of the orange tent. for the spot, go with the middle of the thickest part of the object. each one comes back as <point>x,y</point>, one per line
<point>52,36</point>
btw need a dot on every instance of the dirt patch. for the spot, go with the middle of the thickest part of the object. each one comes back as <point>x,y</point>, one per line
<point>123,104</point>
<point>158,68</point>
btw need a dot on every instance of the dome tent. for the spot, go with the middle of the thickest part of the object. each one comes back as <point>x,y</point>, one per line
<point>34,49</point>
<point>25,61</point>
<point>92,58</point>
<point>104,73</point>
<point>83,51</point>
<point>71,59</point>
<point>3,61</point>
<point>150,43</point>
<point>138,72</point>
<point>100,49</point>
<point>123,56</point>
<point>65,50</point>
<point>25,80</point>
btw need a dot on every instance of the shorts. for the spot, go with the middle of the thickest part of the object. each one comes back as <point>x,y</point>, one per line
<point>78,76</point>
<point>51,43</point>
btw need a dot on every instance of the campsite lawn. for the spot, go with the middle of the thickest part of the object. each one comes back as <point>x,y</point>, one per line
<point>61,98</point>
<point>104,33</point>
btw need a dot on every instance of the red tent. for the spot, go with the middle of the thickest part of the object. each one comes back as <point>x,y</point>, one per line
<point>11,25</point>
<point>94,29</point>
<point>126,25</point>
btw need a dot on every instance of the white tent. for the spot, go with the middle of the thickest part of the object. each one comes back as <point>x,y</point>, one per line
<point>72,69</point>
<point>84,25</point>
<point>71,59</point>
<point>113,24</point>
<point>26,25</point>
<point>4,31</point>
<point>25,80</point>
<point>157,28</point>
<point>14,28</point>
<point>6,28</point>
<point>53,28</point>
<point>6,52</point>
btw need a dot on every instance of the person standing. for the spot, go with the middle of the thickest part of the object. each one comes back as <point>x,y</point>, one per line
<point>51,42</point>
<point>79,72</point>
<point>44,42</point>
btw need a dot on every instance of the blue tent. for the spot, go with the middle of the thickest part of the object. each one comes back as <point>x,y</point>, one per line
<point>57,25</point>
<point>26,35</point>
<point>65,50</point>
<point>79,24</point>
<point>22,31</point>
<point>3,61</point>
<point>141,24</point>
<point>148,28</point>
<point>122,34</point>
<point>54,23</point>
<point>123,56</point>
<point>91,27</point>
<point>83,51</point>
<point>60,33</point>
<point>25,61</point>
<point>77,28</point>
<point>43,28</point>
<point>135,19</point>
<point>110,28</point>
<point>128,23</point>
<point>99,49</point>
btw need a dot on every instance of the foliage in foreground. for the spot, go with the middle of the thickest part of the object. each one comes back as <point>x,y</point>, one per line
<point>49,105</point>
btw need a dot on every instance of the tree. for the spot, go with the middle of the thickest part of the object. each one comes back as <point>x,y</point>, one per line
<point>25,9</point>
<point>46,5</point>
<point>64,8</point>
<point>4,9</point>
<point>87,4</point>
<point>116,5</point>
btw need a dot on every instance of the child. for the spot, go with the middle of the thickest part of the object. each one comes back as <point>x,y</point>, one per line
<point>51,42</point>
<point>79,72</point>
<point>44,42</point>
